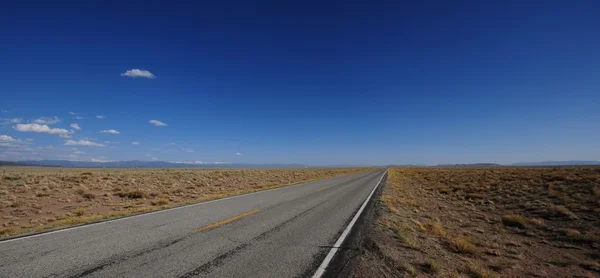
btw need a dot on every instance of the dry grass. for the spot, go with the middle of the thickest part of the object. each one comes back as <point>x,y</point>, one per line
<point>514,220</point>
<point>486,222</point>
<point>35,199</point>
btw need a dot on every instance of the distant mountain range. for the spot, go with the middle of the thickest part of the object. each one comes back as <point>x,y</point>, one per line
<point>558,163</point>
<point>198,164</point>
<point>142,164</point>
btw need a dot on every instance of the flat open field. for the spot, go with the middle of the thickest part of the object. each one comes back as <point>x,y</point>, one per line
<point>35,199</point>
<point>486,222</point>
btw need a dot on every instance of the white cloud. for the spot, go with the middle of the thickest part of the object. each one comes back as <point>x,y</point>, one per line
<point>187,150</point>
<point>79,118</point>
<point>200,162</point>
<point>41,129</point>
<point>110,131</point>
<point>134,73</point>
<point>10,121</point>
<point>82,143</point>
<point>47,120</point>
<point>75,126</point>
<point>100,116</point>
<point>64,136</point>
<point>157,123</point>
<point>29,140</point>
<point>72,113</point>
<point>78,152</point>
<point>135,143</point>
<point>172,144</point>
<point>100,160</point>
<point>50,147</point>
<point>6,138</point>
<point>4,111</point>
<point>154,158</point>
<point>148,155</point>
<point>238,153</point>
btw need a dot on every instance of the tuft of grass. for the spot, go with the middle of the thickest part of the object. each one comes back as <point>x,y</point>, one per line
<point>476,196</point>
<point>42,194</point>
<point>462,245</point>
<point>514,220</point>
<point>79,211</point>
<point>7,231</point>
<point>88,195</point>
<point>133,194</point>
<point>436,228</point>
<point>160,202</point>
<point>563,211</point>
<point>477,271</point>
<point>430,267</point>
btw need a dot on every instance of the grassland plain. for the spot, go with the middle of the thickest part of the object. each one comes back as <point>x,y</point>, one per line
<point>486,222</point>
<point>35,199</point>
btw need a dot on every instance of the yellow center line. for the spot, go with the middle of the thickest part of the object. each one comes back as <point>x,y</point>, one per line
<point>322,189</point>
<point>214,225</point>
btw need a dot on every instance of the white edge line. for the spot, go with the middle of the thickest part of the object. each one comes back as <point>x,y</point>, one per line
<point>321,270</point>
<point>162,210</point>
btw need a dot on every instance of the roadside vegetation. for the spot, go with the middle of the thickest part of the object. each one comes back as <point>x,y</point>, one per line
<point>486,222</point>
<point>36,199</point>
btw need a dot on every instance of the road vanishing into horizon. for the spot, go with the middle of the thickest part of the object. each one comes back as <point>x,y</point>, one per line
<point>282,232</point>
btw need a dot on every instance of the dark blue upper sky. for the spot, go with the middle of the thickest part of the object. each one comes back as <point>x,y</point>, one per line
<point>316,82</point>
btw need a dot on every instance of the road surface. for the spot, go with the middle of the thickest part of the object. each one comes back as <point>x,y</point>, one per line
<point>284,232</point>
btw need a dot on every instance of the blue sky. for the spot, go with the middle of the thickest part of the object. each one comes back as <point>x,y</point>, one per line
<point>315,82</point>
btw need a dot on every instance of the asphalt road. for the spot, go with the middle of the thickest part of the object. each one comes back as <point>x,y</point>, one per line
<point>284,232</point>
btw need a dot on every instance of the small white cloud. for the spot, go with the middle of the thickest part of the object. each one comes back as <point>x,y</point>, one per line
<point>41,129</point>
<point>82,143</point>
<point>47,120</point>
<point>110,131</point>
<point>75,126</point>
<point>172,144</point>
<point>238,153</point>
<point>78,152</point>
<point>64,136</point>
<point>6,138</point>
<point>72,113</point>
<point>157,123</point>
<point>79,118</point>
<point>154,158</point>
<point>100,160</point>
<point>135,143</point>
<point>134,73</point>
<point>100,116</point>
<point>10,121</point>
<point>50,147</point>
<point>148,155</point>
<point>187,150</point>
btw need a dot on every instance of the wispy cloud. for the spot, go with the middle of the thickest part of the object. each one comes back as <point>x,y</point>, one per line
<point>100,116</point>
<point>41,129</point>
<point>47,120</point>
<point>75,126</point>
<point>135,73</point>
<point>110,131</point>
<point>187,150</point>
<point>10,121</point>
<point>135,143</point>
<point>172,144</point>
<point>6,138</point>
<point>157,123</point>
<point>82,143</point>
<point>100,160</point>
<point>72,113</point>
<point>79,118</point>
<point>239,154</point>
<point>154,158</point>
